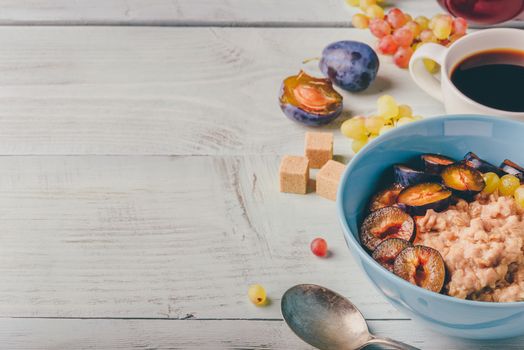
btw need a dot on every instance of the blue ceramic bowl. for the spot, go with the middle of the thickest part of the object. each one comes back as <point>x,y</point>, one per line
<point>493,139</point>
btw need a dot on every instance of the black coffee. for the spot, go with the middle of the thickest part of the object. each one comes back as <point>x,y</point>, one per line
<point>493,78</point>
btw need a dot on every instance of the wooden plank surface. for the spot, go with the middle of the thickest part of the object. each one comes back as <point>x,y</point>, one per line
<point>162,237</point>
<point>191,12</point>
<point>138,180</point>
<point>183,91</point>
<point>70,334</point>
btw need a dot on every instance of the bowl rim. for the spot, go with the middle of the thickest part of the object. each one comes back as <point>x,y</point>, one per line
<point>350,238</point>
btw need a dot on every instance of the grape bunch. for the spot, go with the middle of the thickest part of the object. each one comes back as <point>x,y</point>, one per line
<point>389,115</point>
<point>507,185</point>
<point>399,34</point>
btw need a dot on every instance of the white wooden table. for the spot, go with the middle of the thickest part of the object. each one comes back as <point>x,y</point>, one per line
<point>140,143</point>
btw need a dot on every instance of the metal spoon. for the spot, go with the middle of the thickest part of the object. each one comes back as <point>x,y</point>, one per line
<point>328,321</point>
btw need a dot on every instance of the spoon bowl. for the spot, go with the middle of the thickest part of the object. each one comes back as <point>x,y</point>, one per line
<point>327,320</point>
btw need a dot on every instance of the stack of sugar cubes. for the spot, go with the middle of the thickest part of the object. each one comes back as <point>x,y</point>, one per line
<point>294,170</point>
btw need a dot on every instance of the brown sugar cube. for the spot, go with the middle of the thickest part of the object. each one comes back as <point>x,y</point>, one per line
<point>319,148</point>
<point>294,174</point>
<point>328,178</point>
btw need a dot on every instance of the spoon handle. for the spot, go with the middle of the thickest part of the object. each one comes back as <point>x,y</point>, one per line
<point>393,343</point>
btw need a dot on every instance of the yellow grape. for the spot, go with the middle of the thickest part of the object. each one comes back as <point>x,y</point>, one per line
<point>357,145</point>
<point>385,129</point>
<point>375,11</point>
<point>364,4</point>
<point>431,66</point>
<point>374,124</point>
<point>354,3</point>
<point>360,21</point>
<point>372,137</point>
<point>519,196</point>
<point>404,111</point>
<point>442,28</point>
<point>354,128</point>
<point>492,181</point>
<point>257,294</point>
<point>508,185</point>
<point>387,107</point>
<point>423,22</point>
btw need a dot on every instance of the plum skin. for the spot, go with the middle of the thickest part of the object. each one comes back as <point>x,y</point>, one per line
<point>351,65</point>
<point>308,118</point>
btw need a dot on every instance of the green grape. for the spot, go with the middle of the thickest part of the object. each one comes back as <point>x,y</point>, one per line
<point>375,11</point>
<point>357,145</point>
<point>387,107</point>
<point>508,185</point>
<point>364,4</point>
<point>374,124</point>
<point>385,129</point>
<point>257,294</point>
<point>354,128</point>
<point>360,21</point>
<point>492,181</point>
<point>423,22</point>
<point>404,111</point>
<point>519,196</point>
<point>442,27</point>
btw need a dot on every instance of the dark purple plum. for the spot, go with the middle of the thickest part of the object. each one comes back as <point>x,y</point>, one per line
<point>422,266</point>
<point>474,161</point>
<point>513,168</point>
<point>352,65</point>
<point>309,100</point>
<point>417,199</point>
<point>407,176</point>
<point>387,251</point>
<point>389,222</point>
<point>435,163</point>
<point>385,198</point>
<point>464,180</point>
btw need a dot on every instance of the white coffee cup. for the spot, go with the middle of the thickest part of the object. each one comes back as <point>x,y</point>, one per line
<point>455,101</point>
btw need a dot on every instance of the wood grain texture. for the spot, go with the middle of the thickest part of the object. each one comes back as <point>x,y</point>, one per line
<point>162,237</point>
<point>198,334</point>
<point>191,12</point>
<point>167,91</point>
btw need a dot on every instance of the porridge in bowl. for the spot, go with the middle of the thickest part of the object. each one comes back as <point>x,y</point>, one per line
<point>467,240</point>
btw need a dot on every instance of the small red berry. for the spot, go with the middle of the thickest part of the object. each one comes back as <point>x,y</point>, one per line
<point>319,247</point>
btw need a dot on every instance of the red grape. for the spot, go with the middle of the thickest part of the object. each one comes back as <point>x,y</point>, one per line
<point>460,25</point>
<point>402,56</point>
<point>319,247</point>
<point>379,27</point>
<point>387,45</point>
<point>403,36</point>
<point>397,18</point>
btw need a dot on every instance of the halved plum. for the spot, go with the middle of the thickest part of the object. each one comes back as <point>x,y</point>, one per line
<point>389,222</point>
<point>385,198</point>
<point>435,163</point>
<point>474,161</point>
<point>464,180</point>
<point>513,168</point>
<point>407,176</point>
<point>309,100</point>
<point>422,266</point>
<point>417,199</point>
<point>387,251</point>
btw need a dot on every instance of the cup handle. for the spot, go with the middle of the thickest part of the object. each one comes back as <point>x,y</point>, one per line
<point>419,73</point>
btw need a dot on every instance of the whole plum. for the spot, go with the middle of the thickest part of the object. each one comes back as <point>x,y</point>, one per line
<point>309,100</point>
<point>352,65</point>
